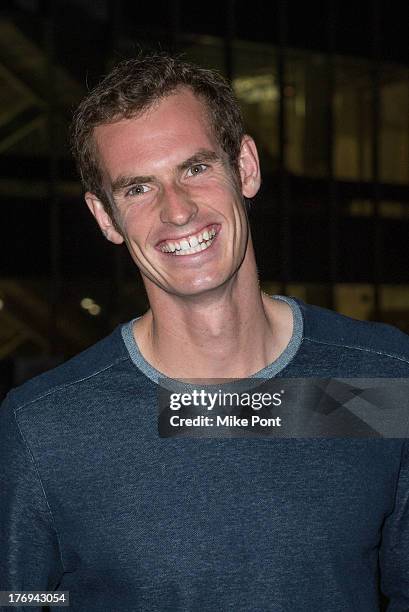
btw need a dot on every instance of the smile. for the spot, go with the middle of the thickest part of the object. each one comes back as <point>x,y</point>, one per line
<point>191,244</point>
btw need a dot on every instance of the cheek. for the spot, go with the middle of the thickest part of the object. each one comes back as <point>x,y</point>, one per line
<point>136,225</point>
<point>222,196</point>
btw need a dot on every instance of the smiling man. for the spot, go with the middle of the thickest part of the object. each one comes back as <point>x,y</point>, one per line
<point>96,502</point>
<point>177,202</point>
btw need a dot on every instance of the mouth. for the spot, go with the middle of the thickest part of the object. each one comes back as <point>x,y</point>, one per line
<point>190,245</point>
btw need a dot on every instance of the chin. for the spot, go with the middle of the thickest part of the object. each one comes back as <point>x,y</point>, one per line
<point>200,289</point>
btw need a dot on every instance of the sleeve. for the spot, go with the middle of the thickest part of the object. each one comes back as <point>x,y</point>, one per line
<point>394,551</point>
<point>29,551</point>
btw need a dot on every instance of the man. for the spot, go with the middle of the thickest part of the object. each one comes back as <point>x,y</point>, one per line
<point>95,501</point>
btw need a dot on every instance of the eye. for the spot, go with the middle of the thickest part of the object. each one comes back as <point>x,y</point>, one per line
<point>137,190</point>
<point>196,169</point>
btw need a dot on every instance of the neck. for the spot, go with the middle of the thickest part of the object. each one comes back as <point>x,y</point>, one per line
<point>230,333</point>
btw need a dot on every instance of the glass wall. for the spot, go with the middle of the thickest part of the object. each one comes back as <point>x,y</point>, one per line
<point>317,94</point>
<point>256,85</point>
<point>337,116</point>
<point>394,134</point>
<point>295,104</point>
<point>352,107</point>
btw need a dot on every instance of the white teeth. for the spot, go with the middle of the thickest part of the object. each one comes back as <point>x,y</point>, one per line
<point>197,249</point>
<point>190,245</point>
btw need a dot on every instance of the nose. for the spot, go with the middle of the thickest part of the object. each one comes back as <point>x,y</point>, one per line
<point>177,206</point>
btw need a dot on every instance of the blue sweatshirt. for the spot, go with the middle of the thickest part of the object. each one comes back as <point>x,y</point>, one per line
<point>94,502</point>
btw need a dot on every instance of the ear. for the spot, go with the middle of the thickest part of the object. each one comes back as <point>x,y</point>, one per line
<point>249,167</point>
<point>103,219</point>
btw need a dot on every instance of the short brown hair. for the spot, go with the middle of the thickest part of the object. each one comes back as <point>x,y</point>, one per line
<point>135,85</point>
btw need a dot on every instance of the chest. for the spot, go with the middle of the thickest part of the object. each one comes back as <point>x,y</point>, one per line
<point>179,505</point>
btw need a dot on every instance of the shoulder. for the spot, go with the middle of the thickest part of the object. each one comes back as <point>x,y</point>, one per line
<point>322,326</point>
<point>96,360</point>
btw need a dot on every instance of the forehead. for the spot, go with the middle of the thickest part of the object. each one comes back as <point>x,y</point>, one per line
<point>166,134</point>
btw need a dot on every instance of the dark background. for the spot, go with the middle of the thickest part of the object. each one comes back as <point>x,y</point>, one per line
<point>324,88</point>
<point>325,91</point>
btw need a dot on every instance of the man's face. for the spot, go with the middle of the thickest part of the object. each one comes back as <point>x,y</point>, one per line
<point>177,203</point>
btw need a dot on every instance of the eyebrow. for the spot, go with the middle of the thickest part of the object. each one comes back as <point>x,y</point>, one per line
<point>122,182</point>
<point>201,156</point>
